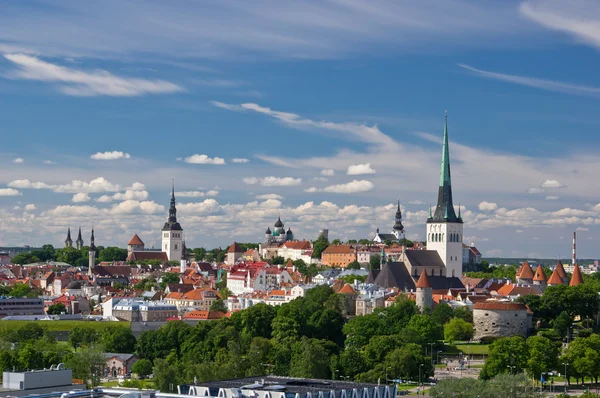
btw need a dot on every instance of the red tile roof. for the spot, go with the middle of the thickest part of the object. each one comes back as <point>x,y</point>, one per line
<point>576,279</point>
<point>555,278</point>
<point>499,306</point>
<point>525,272</point>
<point>204,315</point>
<point>539,274</point>
<point>135,240</point>
<point>147,255</point>
<point>235,248</point>
<point>347,289</point>
<point>561,270</point>
<point>298,245</point>
<point>423,281</point>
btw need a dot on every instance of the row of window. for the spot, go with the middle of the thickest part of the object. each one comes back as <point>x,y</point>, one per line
<point>439,237</point>
<point>175,235</point>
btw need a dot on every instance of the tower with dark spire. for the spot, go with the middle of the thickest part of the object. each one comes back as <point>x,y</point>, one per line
<point>172,233</point>
<point>79,241</point>
<point>398,229</point>
<point>69,241</point>
<point>444,227</point>
<point>92,255</point>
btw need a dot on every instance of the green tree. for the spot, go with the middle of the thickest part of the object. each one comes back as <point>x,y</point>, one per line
<point>425,329</point>
<point>169,277</point>
<point>83,336</point>
<point>375,262</point>
<point>464,313</point>
<point>57,309</point>
<point>285,330</point>
<point>20,290</point>
<point>310,360</point>
<point>166,374</point>
<point>219,306</point>
<point>142,368</point>
<point>277,260</point>
<point>199,253</point>
<point>88,364</point>
<point>69,255</point>
<point>319,246</point>
<point>508,354</point>
<point>408,362</point>
<point>543,356</point>
<point>257,320</point>
<point>31,332</point>
<point>118,339</point>
<point>336,242</point>
<point>25,258</point>
<point>353,265</point>
<point>112,253</point>
<point>442,313</point>
<point>458,330</point>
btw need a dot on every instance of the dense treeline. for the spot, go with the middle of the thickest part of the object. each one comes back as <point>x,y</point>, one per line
<point>307,337</point>
<point>70,255</point>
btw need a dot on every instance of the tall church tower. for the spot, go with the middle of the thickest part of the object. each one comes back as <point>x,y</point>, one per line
<point>79,240</point>
<point>398,229</point>
<point>444,227</point>
<point>92,255</point>
<point>69,241</point>
<point>172,233</point>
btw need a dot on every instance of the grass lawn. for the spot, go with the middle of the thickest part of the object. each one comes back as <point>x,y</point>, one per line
<point>61,326</point>
<point>475,349</point>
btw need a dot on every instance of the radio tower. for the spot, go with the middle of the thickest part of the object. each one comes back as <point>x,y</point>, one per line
<point>574,260</point>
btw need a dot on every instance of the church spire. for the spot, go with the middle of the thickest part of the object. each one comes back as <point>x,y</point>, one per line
<point>172,224</point>
<point>69,241</point>
<point>444,210</point>
<point>398,221</point>
<point>79,240</point>
<point>92,245</point>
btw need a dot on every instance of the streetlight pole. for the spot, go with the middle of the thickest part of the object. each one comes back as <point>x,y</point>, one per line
<point>566,364</point>
<point>512,368</point>
<point>420,382</point>
<point>431,345</point>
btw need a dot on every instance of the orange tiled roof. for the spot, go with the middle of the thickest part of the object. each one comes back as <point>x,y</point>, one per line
<point>555,278</point>
<point>497,305</point>
<point>526,272</point>
<point>423,281</point>
<point>204,315</point>
<point>135,240</point>
<point>561,270</point>
<point>235,248</point>
<point>539,274</point>
<point>347,289</point>
<point>576,279</point>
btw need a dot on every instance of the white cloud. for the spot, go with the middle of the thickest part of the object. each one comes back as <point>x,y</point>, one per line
<point>9,192</point>
<point>552,184</point>
<point>137,186</point>
<point>269,196</point>
<point>129,194</point>
<point>280,181</point>
<point>354,186</point>
<point>250,180</point>
<point>487,206</point>
<point>80,197</point>
<point>416,202</point>
<point>535,190</point>
<point>18,160</point>
<point>271,204</point>
<point>49,162</point>
<point>273,181</point>
<point>203,159</point>
<point>96,185</point>
<point>114,155</point>
<point>80,83</point>
<point>358,169</point>
<point>322,179</point>
<point>550,197</point>
<point>30,207</point>
<point>134,206</point>
<point>196,194</point>
<point>327,172</point>
<point>544,84</point>
<point>240,160</point>
<point>350,131</point>
<point>577,18</point>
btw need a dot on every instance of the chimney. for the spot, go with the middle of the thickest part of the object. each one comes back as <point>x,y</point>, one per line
<point>573,262</point>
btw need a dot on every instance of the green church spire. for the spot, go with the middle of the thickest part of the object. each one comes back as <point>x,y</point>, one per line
<point>444,211</point>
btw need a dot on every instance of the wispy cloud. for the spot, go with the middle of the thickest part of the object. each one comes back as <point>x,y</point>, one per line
<point>544,84</point>
<point>9,192</point>
<point>273,181</point>
<point>76,82</point>
<point>358,169</point>
<point>240,160</point>
<point>346,130</point>
<point>114,155</point>
<point>580,19</point>
<point>18,160</point>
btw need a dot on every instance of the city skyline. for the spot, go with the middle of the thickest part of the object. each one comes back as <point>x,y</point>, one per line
<point>317,114</point>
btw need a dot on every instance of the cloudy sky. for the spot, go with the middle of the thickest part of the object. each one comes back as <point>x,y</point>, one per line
<point>325,111</point>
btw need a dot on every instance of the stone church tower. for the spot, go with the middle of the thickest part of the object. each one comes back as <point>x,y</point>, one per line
<point>172,233</point>
<point>92,255</point>
<point>444,227</point>
<point>424,293</point>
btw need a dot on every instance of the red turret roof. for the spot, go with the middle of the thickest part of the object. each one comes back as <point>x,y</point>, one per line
<point>235,248</point>
<point>539,274</point>
<point>555,278</point>
<point>526,271</point>
<point>561,270</point>
<point>423,281</point>
<point>576,279</point>
<point>135,240</point>
<point>347,289</point>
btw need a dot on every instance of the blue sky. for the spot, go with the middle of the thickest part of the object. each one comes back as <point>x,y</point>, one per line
<point>325,111</point>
